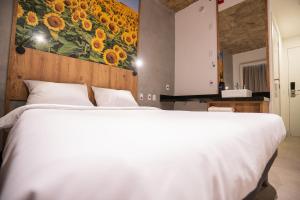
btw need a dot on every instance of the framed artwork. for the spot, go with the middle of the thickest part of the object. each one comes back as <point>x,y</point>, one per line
<point>102,31</point>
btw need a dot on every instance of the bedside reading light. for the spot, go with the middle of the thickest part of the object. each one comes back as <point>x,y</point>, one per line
<point>36,37</point>
<point>136,64</point>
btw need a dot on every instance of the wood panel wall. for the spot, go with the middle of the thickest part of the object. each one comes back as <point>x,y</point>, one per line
<point>44,66</point>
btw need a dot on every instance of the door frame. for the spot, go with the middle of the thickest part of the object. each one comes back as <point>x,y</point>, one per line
<point>274,91</point>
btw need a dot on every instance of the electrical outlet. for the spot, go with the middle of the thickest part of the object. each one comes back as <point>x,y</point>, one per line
<point>154,97</point>
<point>167,87</point>
<point>141,97</point>
<point>149,97</point>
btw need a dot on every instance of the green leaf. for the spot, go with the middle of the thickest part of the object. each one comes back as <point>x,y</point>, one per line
<point>71,33</point>
<point>94,59</point>
<point>68,48</point>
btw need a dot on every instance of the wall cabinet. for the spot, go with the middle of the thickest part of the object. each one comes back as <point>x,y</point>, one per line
<point>196,49</point>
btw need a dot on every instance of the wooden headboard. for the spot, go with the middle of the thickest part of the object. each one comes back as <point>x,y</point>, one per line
<point>44,66</point>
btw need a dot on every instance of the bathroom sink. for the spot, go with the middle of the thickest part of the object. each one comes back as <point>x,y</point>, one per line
<point>236,93</point>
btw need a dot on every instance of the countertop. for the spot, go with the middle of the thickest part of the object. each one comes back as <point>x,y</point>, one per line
<point>258,96</point>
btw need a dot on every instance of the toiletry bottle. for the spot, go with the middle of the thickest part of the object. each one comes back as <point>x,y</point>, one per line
<point>221,84</point>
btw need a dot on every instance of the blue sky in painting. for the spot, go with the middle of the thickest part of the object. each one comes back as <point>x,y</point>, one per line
<point>131,3</point>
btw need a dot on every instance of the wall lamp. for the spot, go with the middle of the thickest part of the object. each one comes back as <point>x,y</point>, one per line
<point>36,37</point>
<point>136,64</point>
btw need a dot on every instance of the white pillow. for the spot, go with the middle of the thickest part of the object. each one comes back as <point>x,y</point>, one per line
<point>41,92</point>
<point>114,98</point>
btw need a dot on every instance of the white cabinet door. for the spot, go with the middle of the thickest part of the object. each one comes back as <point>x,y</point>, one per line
<point>196,49</point>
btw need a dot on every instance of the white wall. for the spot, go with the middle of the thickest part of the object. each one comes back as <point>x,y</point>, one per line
<point>228,4</point>
<point>246,57</point>
<point>196,49</point>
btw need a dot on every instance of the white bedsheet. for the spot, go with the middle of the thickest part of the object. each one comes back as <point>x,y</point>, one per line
<point>80,153</point>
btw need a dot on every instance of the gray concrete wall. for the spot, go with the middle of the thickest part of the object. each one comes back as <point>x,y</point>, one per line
<point>6,12</point>
<point>157,50</point>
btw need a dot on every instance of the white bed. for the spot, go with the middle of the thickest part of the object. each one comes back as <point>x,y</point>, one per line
<point>68,152</point>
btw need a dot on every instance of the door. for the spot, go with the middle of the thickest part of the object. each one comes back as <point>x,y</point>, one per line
<point>294,92</point>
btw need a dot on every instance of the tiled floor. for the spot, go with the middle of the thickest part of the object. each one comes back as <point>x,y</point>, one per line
<point>285,172</point>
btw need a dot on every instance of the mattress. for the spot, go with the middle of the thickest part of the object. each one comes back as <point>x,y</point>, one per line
<point>68,152</point>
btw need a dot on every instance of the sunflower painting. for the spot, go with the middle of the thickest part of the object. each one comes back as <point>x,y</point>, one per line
<point>102,31</point>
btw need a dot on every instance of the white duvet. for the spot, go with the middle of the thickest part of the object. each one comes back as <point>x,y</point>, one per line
<point>86,153</point>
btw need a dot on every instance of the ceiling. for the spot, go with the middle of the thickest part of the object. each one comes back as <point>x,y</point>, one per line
<point>243,27</point>
<point>287,14</point>
<point>177,5</point>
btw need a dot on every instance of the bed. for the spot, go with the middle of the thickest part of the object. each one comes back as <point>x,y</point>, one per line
<point>124,153</point>
<point>79,152</point>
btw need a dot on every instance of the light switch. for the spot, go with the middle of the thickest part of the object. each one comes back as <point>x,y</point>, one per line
<point>154,97</point>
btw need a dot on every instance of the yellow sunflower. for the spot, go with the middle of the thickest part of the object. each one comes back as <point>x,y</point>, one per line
<point>82,14</point>
<point>68,3</point>
<point>96,9</point>
<point>54,22</point>
<point>104,19</point>
<point>111,57</point>
<point>20,11</point>
<point>120,23</point>
<point>97,45</point>
<point>127,38</point>
<point>113,27</point>
<point>122,55</point>
<point>100,34</point>
<point>74,3</point>
<point>134,35</point>
<point>117,48</point>
<point>87,25</point>
<point>32,19</point>
<point>58,6</point>
<point>75,16</point>
<point>84,5</point>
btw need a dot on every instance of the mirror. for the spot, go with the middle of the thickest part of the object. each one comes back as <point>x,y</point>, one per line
<point>242,36</point>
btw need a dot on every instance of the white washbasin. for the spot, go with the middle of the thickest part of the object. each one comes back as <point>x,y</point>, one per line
<point>236,93</point>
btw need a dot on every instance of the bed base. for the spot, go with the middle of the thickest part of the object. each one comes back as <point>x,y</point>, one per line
<point>263,182</point>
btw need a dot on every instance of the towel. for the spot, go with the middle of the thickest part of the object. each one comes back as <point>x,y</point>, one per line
<point>220,109</point>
